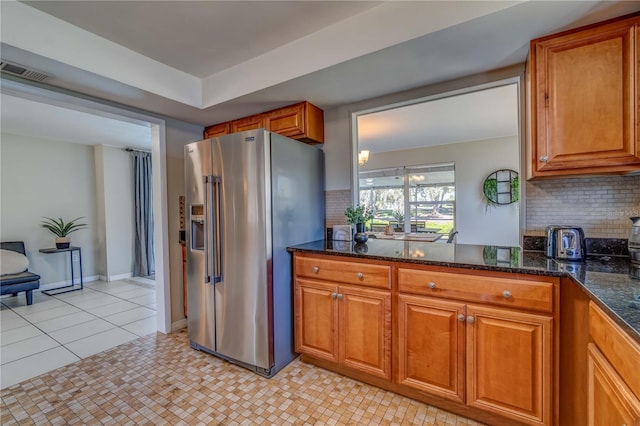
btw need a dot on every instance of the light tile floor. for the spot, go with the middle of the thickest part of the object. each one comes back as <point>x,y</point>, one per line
<point>58,330</point>
<point>159,380</point>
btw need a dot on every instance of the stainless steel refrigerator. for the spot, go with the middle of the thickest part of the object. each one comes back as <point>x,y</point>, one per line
<point>249,195</point>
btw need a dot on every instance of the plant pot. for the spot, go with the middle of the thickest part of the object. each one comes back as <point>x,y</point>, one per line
<point>360,236</point>
<point>63,242</point>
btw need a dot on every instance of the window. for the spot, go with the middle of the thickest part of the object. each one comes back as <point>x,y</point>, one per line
<point>418,199</point>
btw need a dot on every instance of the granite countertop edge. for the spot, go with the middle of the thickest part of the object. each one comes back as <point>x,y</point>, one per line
<point>592,284</point>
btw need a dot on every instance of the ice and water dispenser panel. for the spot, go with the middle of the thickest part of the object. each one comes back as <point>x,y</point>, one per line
<point>197,227</point>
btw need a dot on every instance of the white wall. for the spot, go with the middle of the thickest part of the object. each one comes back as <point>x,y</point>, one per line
<point>114,178</point>
<point>47,178</point>
<point>474,161</point>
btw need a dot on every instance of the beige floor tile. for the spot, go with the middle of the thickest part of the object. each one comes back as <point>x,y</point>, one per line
<point>34,365</point>
<point>130,316</point>
<point>113,308</point>
<point>50,313</point>
<point>80,331</point>
<point>26,347</point>
<point>65,321</point>
<point>17,334</point>
<point>100,342</point>
<point>143,327</point>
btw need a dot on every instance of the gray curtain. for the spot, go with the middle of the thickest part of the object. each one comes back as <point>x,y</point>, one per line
<point>144,260</point>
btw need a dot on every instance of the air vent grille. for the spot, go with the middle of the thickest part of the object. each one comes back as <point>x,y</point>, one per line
<point>21,71</point>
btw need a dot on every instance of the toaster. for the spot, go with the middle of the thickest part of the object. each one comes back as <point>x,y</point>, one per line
<point>565,243</point>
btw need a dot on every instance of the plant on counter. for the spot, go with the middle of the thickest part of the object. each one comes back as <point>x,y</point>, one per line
<point>359,214</point>
<point>62,229</point>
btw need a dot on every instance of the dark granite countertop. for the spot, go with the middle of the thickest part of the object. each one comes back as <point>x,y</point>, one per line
<point>606,280</point>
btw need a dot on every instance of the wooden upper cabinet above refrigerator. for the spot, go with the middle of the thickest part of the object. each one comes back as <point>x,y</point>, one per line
<point>302,121</point>
<point>584,100</point>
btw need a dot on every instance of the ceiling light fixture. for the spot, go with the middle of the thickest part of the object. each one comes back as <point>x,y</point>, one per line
<point>363,157</point>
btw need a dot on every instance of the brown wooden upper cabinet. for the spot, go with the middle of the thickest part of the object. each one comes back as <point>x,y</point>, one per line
<point>302,121</point>
<point>584,99</point>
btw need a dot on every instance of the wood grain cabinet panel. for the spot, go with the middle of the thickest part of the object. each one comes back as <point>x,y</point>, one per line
<point>584,100</point>
<point>509,363</point>
<point>611,402</point>
<point>316,319</point>
<point>431,346</point>
<point>249,123</point>
<point>217,130</point>
<point>365,330</point>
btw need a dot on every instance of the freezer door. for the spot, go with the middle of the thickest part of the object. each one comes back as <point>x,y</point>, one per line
<point>200,292</point>
<point>242,295</point>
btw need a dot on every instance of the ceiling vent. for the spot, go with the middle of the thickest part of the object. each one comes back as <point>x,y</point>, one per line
<point>20,71</point>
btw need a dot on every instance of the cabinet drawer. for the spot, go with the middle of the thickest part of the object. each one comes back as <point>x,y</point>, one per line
<point>345,272</point>
<point>622,352</point>
<point>537,295</point>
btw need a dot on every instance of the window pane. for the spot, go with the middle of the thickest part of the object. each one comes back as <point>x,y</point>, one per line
<point>431,193</point>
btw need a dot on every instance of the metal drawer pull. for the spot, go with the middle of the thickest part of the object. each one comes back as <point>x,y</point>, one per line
<point>460,317</point>
<point>334,295</point>
<point>471,319</point>
<point>339,296</point>
<point>360,275</point>
<point>506,294</point>
<point>432,285</point>
<point>315,269</point>
<point>544,158</point>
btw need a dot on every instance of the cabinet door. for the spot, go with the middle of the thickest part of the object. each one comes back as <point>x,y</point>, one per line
<point>431,346</point>
<point>509,363</point>
<point>248,123</point>
<point>316,319</point>
<point>365,330</point>
<point>288,121</point>
<point>217,130</point>
<point>585,101</point>
<point>611,402</point>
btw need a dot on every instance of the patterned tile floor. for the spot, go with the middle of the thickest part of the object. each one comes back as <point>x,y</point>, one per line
<point>159,380</point>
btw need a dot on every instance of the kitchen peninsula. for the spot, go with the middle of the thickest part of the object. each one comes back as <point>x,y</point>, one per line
<point>478,330</point>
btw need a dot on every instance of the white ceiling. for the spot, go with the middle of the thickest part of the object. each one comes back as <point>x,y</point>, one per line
<point>207,62</point>
<point>489,113</point>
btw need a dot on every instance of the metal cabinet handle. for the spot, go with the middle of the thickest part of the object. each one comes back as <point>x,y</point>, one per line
<point>340,296</point>
<point>544,158</point>
<point>460,317</point>
<point>471,319</point>
<point>315,269</point>
<point>334,295</point>
<point>432,285</point>
<point>506,294</point>
<point>360,275</point>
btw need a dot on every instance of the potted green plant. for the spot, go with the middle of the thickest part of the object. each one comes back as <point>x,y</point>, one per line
<point>358,216</point>
<point>62,229</point>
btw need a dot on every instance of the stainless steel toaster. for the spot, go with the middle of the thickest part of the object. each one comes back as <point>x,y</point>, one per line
<point>565,243</point>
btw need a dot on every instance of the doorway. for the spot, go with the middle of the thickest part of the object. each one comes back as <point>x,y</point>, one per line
<point>158,154</point>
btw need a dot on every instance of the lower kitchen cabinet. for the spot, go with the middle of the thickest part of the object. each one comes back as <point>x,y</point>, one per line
<point>510,363</point>
<point>478,343</point>
<point>612,373</point>
<point>611,402</point>
<point>431,345</point>
<point>508,354</point>
<point>345,324</point>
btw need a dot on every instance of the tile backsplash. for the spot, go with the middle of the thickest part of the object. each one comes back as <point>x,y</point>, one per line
<point>336,202</point>
<point>600,205</point>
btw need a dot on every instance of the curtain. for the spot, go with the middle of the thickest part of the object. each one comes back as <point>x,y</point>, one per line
<point>144,260</point>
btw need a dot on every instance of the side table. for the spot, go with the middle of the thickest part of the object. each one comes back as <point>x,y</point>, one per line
<point>70,250</point>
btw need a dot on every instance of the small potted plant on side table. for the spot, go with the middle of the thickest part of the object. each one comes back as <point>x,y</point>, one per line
<point>358,216</point>
<point>62,229</point>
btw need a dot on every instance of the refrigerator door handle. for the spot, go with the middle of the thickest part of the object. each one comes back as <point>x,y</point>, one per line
<point>206,180</point>
<point>217,225</point>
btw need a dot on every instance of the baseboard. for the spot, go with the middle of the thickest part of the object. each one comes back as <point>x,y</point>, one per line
<point>178,325</point>
<point>120,277</point>
<point>85,280</point>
